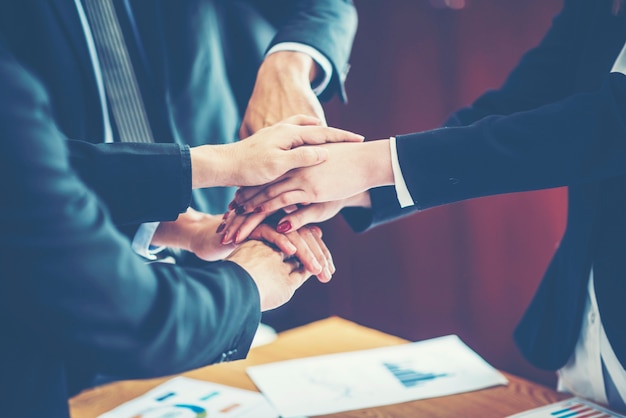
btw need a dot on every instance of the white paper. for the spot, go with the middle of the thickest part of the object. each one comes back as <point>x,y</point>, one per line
<point>569,408</point>
<point>182,397</point>
<point>368,378</point>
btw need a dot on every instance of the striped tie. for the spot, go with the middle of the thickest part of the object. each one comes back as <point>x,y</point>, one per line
<point>120,83</point>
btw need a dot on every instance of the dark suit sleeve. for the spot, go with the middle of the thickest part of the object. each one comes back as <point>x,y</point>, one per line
<point>543,75</point>
<point>577,140</point>
<point>327,25</point>
<point>137,182</point>
<point>532,133</point>
<point>70,283</point>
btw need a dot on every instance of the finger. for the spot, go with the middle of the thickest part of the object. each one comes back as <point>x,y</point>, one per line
<point>302,120</point>
<point>244,131</point>
<point>304,254</point>
<point>290,208</point>
<point>315,248</point>
<point>317,233</point>
<point>253,200</point>
<point>260,204</point>
<point>246,193</point>
<point>316,230</point>
<point>306,215</point>
<point>317,135</point>
<point>268,234</point>
<point>250,222</point>
<point>233,223</point>
<point>243,194</point>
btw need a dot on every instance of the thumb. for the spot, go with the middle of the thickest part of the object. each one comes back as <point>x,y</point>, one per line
<point>307,156</point>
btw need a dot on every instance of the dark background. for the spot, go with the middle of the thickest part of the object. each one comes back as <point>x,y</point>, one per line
<point>469,268</point>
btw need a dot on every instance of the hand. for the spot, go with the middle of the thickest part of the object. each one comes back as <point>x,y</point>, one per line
<point>320,212</point>
<point>282,89</point>
<point>305,244</point>
<point>276,280</point>
<point>237,228</point>
<point>266,155</point>
<point>349,170</point>
<point>195,232</point>
<point>308,248</point>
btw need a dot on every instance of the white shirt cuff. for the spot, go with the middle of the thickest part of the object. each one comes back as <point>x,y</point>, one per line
<point>619,66</point>
<point>318,57</point>
<point>143,238</point>
<point>402,192</point>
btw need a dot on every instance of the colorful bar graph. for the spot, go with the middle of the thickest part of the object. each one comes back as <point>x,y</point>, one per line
<point>166,396</point>
<point>409,377</point>
<point>569,408</point>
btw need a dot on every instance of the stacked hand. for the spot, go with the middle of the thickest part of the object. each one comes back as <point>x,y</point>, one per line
<point>266,155</point>
<point>313,194</point>
<point>276,165</point>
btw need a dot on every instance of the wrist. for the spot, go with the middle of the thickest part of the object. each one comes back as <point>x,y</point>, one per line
<point>294,65</point>
<point>212,166</point>
<point>171,234</point>
<point>375,158</point>
<point>182,232</point>
<point>359,200</point>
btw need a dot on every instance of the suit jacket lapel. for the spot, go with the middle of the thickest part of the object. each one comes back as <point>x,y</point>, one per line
<point>67,14</point>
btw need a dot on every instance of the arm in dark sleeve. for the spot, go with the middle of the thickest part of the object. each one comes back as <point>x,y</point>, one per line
<point>538,80</point>
<point>70,279</point>
<point>577,140</point>
<point>543,75</point>
<point>326,25</point>
<point>137,182</point>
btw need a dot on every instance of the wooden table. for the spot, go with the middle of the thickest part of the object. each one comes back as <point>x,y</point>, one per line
<point>334,335</point>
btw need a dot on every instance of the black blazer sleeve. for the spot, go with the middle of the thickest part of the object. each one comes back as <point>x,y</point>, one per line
<point>71,285</point>
<point>137,182</point>
<point>327,25</point>
<point>535,132</point>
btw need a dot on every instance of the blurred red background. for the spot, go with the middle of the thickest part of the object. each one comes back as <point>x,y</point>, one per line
<point>469,268</point>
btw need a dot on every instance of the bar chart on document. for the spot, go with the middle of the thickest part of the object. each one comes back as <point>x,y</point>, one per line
<point>182,397</point>
<point>361,379</point>
<point>569,408</point>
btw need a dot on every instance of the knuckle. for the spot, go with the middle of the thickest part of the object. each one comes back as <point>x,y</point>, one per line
<point>283,200</point>
<point>270,193</point>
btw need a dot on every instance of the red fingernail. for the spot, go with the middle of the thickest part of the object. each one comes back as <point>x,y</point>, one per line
<point>232,205</point>
<point>240,210</point>
<point>224,241</point>
<point>225,216</point>
<point>221,227</point>
<point>258,209</point>
<point>283,227</point>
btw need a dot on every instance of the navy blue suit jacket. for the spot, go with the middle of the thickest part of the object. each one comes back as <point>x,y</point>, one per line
<point>196,61</point>
<point>74,299</point>
<point>558,120</point>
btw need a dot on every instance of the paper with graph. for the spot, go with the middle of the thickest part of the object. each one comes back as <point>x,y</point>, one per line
<point>362,379</point>
<point>569,408</point>
<point>182,397</point>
